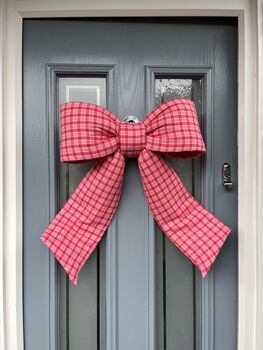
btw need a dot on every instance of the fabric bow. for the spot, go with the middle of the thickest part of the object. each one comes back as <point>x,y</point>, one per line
<point>90,131</point>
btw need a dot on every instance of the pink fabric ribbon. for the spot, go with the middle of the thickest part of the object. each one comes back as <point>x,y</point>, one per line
<point>89,131</point>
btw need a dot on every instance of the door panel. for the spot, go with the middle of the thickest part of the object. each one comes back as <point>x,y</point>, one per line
<point>83,305</point>
<point>178,299</point>
<point>137,290</point>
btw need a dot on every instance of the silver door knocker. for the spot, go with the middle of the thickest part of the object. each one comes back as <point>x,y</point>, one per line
<point>130,119</point>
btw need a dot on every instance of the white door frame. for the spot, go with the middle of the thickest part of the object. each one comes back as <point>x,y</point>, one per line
<point>250,145</point>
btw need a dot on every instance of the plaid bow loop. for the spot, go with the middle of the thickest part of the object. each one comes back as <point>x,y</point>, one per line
<point>90,131</point>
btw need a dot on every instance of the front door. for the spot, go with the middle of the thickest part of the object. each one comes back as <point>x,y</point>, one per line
<point>137,290</point>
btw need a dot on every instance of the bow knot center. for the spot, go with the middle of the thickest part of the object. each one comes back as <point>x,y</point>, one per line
<point>132,138</point>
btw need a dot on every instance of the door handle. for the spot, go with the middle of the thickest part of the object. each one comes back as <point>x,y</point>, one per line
<point>226,177</point>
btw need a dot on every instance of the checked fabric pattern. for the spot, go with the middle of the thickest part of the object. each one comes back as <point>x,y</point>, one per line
<point>90,131</point>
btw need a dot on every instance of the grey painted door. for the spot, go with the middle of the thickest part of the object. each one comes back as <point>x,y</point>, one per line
<point>137,291</point>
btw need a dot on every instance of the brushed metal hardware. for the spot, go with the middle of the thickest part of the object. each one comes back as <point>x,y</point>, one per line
<point>130,119</point>
<point>226,177</point>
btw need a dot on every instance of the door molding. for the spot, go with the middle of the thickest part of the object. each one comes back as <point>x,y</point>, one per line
<point>207,187</point>
<point>250,143</point>
<point>53,72</point>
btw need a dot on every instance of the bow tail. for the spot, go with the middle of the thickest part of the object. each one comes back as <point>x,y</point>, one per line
<point>79,226</point>
<point>195,231</point>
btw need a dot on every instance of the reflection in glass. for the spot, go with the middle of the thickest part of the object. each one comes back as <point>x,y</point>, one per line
<point>83,89</point>
<point>169,88</point>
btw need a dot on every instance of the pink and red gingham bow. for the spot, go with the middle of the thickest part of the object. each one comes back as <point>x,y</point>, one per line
<point>89,131</point>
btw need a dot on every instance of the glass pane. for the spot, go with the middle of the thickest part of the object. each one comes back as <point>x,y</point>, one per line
<point>82,311</point>
<point>178,282</point>
<point>92,90</point>
<point>169,88</point>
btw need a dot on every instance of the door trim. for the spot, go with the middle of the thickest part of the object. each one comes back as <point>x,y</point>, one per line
<point>53,72</point>
<point>250,141</point>
<point>207,187</point>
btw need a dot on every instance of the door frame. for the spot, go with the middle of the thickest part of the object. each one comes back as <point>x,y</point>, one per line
<point>250,147</point>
